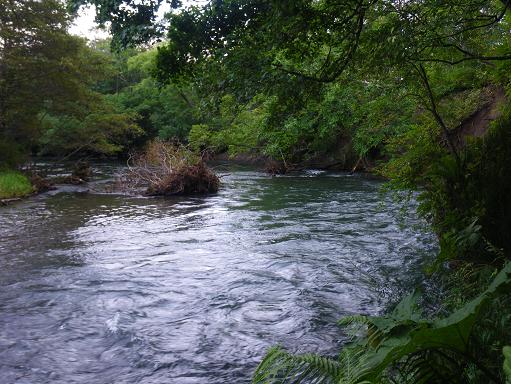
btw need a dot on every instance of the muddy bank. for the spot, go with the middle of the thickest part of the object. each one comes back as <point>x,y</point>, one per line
<point>340,161</point>
<point>478,123</point>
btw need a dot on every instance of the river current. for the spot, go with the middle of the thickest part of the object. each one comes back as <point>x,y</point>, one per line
<point>103,288</point>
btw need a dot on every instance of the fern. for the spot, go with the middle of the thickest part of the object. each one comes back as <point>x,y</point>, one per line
<point>420,350</point>
<point>279,366</point>
<point>405,333</point>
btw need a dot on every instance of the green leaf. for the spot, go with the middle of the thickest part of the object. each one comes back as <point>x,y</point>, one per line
<point>389,339</point>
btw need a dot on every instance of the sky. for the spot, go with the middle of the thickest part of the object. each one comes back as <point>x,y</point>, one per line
<point>85,26</point>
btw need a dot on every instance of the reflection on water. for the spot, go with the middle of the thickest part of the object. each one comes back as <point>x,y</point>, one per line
<point>98,288</point>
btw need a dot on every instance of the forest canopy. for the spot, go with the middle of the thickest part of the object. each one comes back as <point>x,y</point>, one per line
<point>47,80</point>
<point>294,54</point>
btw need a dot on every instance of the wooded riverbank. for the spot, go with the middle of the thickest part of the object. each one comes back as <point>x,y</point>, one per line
<point>417,92</point>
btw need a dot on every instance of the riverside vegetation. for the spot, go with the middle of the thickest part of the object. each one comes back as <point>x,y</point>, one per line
<point>417,91</point>
<point>14,184</point>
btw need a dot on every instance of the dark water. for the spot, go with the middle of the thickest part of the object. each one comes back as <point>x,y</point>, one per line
<point>99,288</point>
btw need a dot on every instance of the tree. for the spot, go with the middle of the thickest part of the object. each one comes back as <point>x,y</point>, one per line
<point>164,111</point>
<point>44,73</point>
<point>33,41</point>
<point>289,49</point>
<point>132,22</point>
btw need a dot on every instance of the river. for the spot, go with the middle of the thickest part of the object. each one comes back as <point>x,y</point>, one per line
<point>102,288</point>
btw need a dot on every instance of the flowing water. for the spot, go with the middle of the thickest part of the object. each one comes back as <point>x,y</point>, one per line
<point>101,288</point>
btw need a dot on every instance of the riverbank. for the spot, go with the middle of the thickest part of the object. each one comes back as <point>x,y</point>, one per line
<point>50,174</point>
<point>16,185</point>
<point>335,162</point>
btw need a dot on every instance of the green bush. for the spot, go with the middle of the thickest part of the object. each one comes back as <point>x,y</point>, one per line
<point>203,138</point>
<point>14,184</point>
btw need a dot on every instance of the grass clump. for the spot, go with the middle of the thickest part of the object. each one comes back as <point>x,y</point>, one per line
<point>13,185</point>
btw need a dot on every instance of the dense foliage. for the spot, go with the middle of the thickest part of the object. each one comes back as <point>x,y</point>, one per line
<point>166,112</point>
<point>47,80</point>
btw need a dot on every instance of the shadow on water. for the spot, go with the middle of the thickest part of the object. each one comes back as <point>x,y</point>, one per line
<point>99,288</point>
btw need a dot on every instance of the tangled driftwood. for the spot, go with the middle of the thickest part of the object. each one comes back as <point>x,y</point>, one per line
<point>168,169</point>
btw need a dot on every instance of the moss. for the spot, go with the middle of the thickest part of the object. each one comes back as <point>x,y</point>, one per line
<point>14,184</point>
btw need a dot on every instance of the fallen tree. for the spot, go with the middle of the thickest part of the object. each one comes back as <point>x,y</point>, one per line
<point>165,169</point>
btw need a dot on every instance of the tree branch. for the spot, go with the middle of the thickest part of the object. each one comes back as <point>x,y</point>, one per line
<point>425,80</point>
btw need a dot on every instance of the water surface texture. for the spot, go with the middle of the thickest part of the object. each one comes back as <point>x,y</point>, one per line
<point>98,288</point>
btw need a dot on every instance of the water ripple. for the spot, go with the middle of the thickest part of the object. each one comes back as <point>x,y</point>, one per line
<point>103,288</point>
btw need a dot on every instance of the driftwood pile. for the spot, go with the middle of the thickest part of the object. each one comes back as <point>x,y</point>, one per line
<point>167,169</point>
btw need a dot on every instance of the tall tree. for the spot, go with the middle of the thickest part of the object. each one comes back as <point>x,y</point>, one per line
<point>33,43</point>
<point>44,72</point>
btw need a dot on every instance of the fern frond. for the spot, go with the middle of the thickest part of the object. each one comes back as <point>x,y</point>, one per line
<point>356,326</point>
<point>272,364</point>
<point>354,319</point>
<point>418,369</point>
<point>353,365</point>
<point>279,366</point>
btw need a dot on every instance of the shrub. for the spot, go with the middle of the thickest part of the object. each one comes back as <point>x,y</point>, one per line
<point>203,138</point>
<point>11,154</point>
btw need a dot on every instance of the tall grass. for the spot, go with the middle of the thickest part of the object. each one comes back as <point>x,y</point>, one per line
<point>14,184</point>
